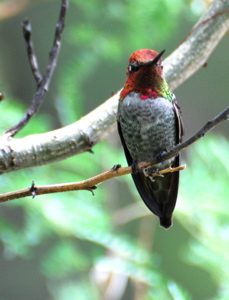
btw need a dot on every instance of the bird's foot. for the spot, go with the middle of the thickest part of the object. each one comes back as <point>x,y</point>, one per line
<point>151,174</point>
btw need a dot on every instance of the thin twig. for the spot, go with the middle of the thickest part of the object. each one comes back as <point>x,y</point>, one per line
<point>44,82</point>
<point>88,184</point>
<point>97,125</point>
<point>222,116</point>
<point>56,45</point>
<point>27,32</point>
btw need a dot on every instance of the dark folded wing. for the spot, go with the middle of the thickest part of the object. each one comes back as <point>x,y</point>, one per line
<point>159,196</point>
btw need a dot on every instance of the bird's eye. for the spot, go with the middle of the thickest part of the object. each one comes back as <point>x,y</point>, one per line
<point>133,68</point>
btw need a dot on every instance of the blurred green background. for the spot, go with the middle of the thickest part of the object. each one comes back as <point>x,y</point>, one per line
<point>109,246</point>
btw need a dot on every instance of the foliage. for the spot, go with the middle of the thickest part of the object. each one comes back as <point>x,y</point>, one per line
<point>207,217</point>
<point>83,238</point>
<point>85,243</point>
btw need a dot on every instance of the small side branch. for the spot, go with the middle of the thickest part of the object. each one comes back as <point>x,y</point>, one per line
<point>91,183</point>
<point>42,81</point>
<point>221,117</point>
<point>88,184</point>
<point>27,32</point>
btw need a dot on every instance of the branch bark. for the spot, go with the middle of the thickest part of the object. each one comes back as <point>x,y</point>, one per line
<point>27,32</point>
<point>88,184</point>
<point>116,171</point>
<point>40,149</point>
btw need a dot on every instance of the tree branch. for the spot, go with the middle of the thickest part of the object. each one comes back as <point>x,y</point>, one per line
<point>90,184</point>
<point>222,116</point>
<point>27,32</point>
<point>42,81</point>
<point>40,149</point>
<point>194,51</point>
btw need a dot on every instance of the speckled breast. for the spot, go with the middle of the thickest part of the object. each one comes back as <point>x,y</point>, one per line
<point>148,126</point>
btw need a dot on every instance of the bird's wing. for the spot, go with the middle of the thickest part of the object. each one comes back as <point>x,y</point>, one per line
<point>159,195</point>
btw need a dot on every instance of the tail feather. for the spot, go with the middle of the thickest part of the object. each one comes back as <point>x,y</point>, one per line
<point>166,222</point>
<point>160,195</point>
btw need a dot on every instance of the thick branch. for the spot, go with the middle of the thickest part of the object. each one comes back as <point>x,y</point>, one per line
<point>90,184</point>
<point>79,137</point>
<point>194,51</point>
<point>42,81</point>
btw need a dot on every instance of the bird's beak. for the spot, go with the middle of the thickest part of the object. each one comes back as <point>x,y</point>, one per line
<point>155,60</point>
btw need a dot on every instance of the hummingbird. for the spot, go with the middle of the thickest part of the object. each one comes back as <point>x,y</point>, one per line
<point>149,124</point>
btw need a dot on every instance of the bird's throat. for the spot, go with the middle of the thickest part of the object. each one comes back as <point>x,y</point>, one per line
<point>157,90</point>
